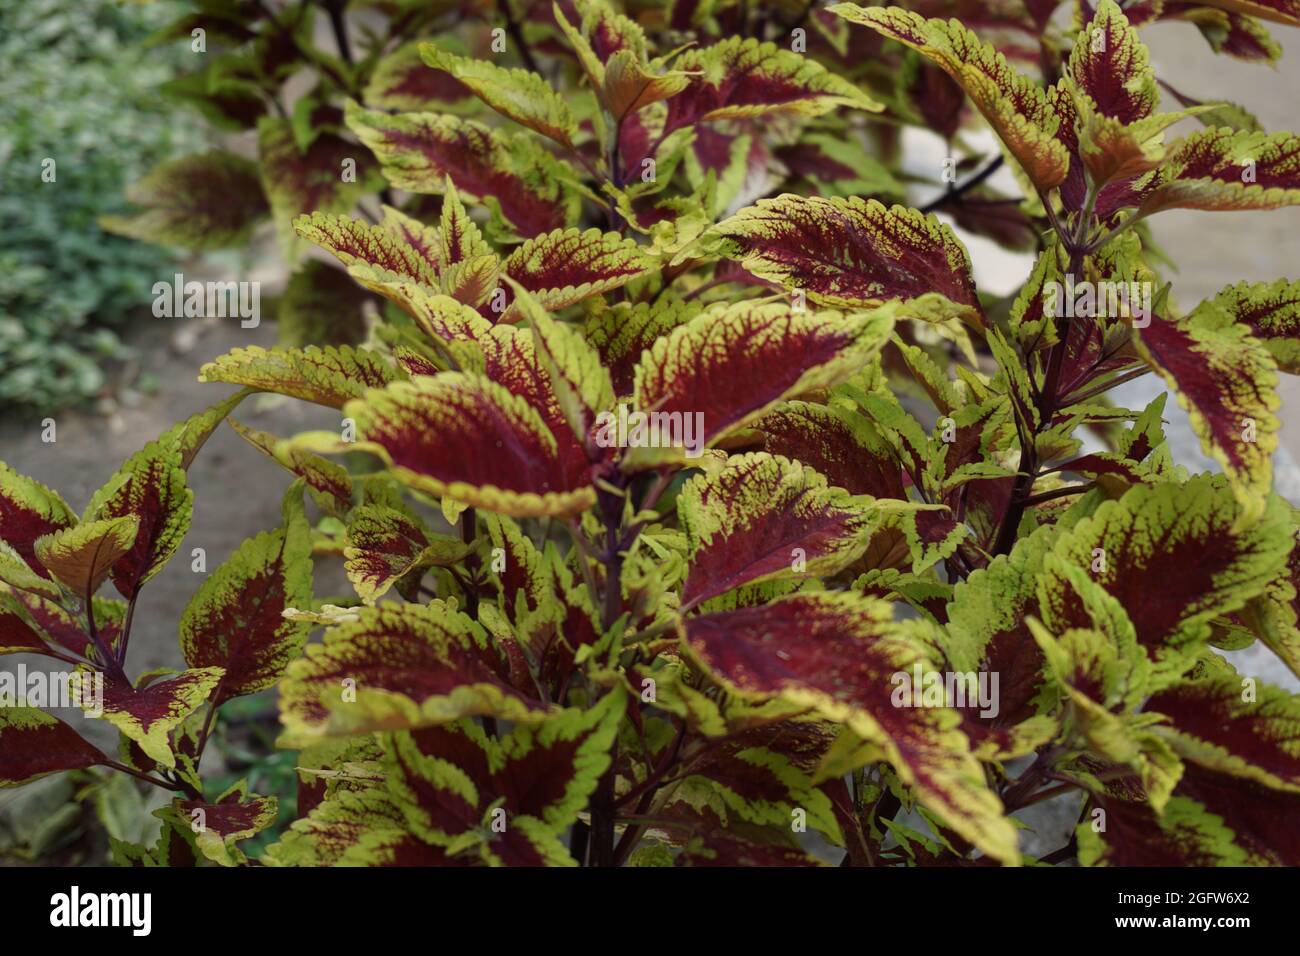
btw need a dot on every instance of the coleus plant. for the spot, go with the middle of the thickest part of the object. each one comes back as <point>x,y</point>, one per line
<point>648,571</point>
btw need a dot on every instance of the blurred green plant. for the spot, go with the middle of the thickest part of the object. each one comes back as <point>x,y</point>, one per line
<point>79,89</point>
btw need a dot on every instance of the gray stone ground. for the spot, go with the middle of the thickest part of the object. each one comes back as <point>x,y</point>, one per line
<point>237,490</point>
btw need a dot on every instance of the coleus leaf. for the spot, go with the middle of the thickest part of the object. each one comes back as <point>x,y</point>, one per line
<point>880,253</point>
<point>1275,11</point>
<point>449,781</point>
<point>762,517</point>
<point>757,785</point>
<point>987,628</point>
<point>151,488</point>
<point>620,333</point>
<point>420,152</point>
<point>1216,726</point>
<point>1235,34</point>
<point>148,713</point>
<point>1014,105</point>
<point>509,356</point>
<point>743,78</point>
<point>355,828</point>
<point>1185,833</point>
<point>1196,528</point>
<point>321,305</point>
<point>629,85</point>
<point>387,546</point>
<point>376,254</point>
<point>520,95</point>
<point>569,265</point>
<point>202,202</point>
<point>1081,660</point>
<point>1222,169</point>
<point>15,574</point>
<point>835,653</point>
<point>1110,65</point>
<point>17,636</point>
<point>33,744</point>
<point>81,557</point>
<point>732,364</point>
<point>234,816</point>
<point>411,666</point>
<point>1214,819</point>
<point>1259,817</point>
<point>62,628</point>
<point>327,376</point>
<point>29,510</point>
<point>581,385</point>
<point>469,438</point>
<point>401,81</point>
<point>843,447</point>
<point>236,618</point>
<point>714,845</point>
<point>613,53</point>
<point>1227,382</point>
<point>1271,310</point>
<point>188,436</point>
<point>524,583</point>
<point>313,180</point>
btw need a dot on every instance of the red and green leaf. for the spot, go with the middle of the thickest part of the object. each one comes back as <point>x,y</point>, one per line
<point>1015,106</point>
<point>81,557</point>
<point>150,488</point>
<point>149,712</point>
<point>387,547</point>
<point>399,667</point>
<point>1271,310</point>
<point>569,265</point>
<point>421,152</point>
<point>234,816</point>
<point>837,654</point>
<point>850,252</point>
<point>741,78</point>
<point>33,744</point>
<point>1227,382</point>
<point>733,364</point>
<point>29,510</point>
<point>327,376</point>
<point>471,439</point>
<point>762,518</point>
<point>236,621</point>
<point>1212,562</point>
<point>204,202</point>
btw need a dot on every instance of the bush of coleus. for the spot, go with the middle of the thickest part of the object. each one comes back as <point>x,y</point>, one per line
<point>698,508</point>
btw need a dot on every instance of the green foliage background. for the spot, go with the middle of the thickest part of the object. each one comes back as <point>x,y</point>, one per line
<point>78,87</point>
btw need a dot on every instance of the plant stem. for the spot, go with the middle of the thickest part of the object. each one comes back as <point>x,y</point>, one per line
<point>468,531</point>
<point>340,28</point>
<point>517,35</point>
<point>1055,493</point>
<point>585,558</point>
<point>1047,400</point>
<point>123,768</point>
<point>209,719</point>
<point>1106,386</point>
<point>126,631</point>
<point>958,191</point>
<point>110,661</point>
